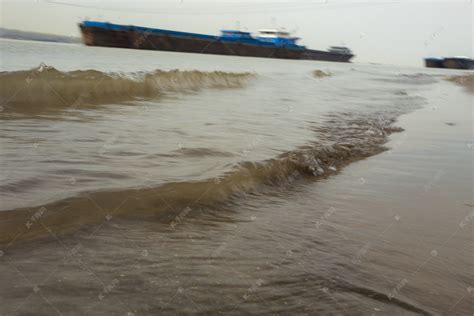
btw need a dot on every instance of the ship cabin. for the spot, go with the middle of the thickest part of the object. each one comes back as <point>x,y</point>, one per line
<point>280,38</point>
<point>235,35</point>
<point>340,50</point>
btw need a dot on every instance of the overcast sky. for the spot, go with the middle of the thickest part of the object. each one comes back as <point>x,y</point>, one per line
<point>392,32</point>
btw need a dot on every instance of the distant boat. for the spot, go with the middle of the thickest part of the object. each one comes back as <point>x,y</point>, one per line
<point>457,62</point>
<point>268,43</point>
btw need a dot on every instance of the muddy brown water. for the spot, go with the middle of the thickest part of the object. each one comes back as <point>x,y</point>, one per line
<point>148,183</point>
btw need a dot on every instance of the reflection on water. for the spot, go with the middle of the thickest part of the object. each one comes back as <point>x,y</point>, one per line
<point>277,192</point>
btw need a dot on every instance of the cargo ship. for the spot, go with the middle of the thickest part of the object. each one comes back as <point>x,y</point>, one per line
<point>458,62</point>
<point>268,43</point>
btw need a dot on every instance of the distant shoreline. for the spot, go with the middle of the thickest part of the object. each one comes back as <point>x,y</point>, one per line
<point>34,36</point>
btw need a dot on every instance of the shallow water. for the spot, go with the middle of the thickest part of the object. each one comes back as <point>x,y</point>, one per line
<point>196,192</point>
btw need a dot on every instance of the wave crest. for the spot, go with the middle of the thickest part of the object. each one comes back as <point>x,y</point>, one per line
<point>45,87</point>
<point>321,74</point>
<point>340,142</point>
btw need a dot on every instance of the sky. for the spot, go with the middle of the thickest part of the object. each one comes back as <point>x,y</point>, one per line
<point>399,32</point>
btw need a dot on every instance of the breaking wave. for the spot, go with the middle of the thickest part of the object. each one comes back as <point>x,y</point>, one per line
<point>342,139</point>
<point>321,74</point>
<point>45,87</point>
<point>464,80</point>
